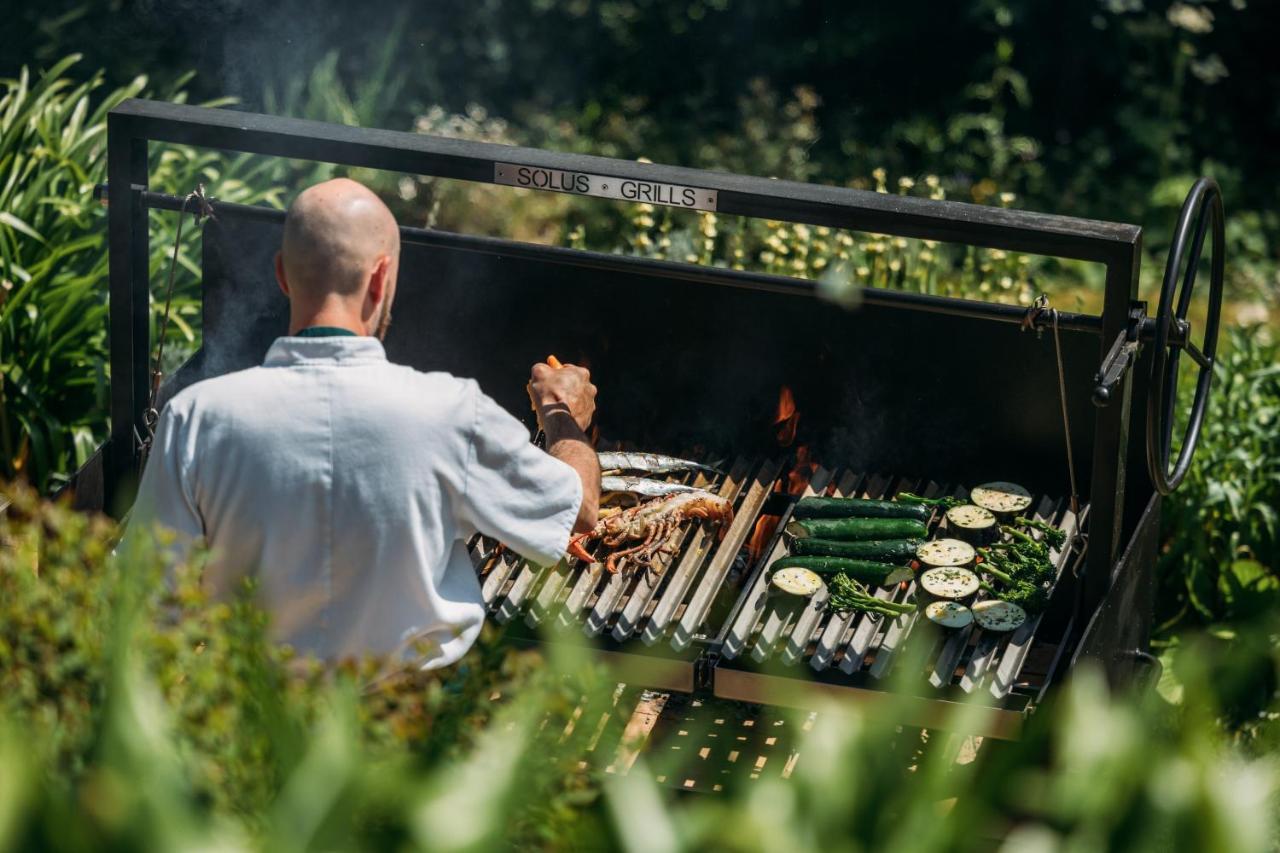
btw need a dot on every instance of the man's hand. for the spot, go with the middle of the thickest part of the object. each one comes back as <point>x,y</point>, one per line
<point>566,389</point>
<point>565,401</point>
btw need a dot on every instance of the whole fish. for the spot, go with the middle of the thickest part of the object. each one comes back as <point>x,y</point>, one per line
<point>642,487</point>
<point>650,463</point>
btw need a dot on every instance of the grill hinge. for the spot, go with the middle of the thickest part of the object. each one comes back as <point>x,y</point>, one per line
<point>704,671</point>
<point>1121,356</point>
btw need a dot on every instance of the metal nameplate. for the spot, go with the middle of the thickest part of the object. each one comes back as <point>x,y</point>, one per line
<point>604,186</point>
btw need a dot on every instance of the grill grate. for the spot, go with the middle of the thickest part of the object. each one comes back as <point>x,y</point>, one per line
<point>771,628</point>
<point>673,604</point>
<point>670,603</point>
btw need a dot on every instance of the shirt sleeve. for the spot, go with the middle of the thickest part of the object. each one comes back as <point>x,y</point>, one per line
<point>515,492</point>
<point>164,501</point>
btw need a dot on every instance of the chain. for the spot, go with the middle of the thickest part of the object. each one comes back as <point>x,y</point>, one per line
<point>1031,321</point>
<point>151,416</point>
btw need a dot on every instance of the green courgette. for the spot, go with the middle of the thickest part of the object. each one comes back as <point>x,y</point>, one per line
<point>899,551</point>
<point>857,528</point>
<point>820,507</point>
<point>867,571</point>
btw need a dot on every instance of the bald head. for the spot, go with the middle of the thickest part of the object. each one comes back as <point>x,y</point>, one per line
<point>335,235</point>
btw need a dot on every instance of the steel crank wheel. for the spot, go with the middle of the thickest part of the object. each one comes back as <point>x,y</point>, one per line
<point>1203,211</point>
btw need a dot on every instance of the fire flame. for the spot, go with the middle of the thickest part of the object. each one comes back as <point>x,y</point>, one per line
<point>787,419</point>
<point>802,472</point>
<point>797,479</point>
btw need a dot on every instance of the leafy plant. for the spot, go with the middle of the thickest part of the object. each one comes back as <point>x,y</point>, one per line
<point>137,713</point>
<point>1221,529</point>
<point>53,261</point>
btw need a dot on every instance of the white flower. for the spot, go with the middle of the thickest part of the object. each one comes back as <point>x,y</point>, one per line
<point>1193,19</point>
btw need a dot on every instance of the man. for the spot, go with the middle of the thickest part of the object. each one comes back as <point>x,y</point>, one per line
<point>348,485</point>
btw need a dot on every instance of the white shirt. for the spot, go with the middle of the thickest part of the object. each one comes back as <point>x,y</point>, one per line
<point>348,486</point>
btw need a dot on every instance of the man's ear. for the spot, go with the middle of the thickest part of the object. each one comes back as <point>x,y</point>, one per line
<point>379,281</point>
<point>280,277</point>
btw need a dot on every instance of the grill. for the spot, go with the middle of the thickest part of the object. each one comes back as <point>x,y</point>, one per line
<point>852,651</point>
<point>692,360</point>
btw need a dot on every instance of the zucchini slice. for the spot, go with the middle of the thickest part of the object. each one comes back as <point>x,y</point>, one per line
<point>797,581</point>
<point>949,582</point>
<point>946,552</point>
<point>972,523</point>
<point>996,615</point>
<point>896,551</point>
<point>849,529</point>
<point>1001,498</point>
<point>824,507</point>
<point>866,571</point>
<point>949,614</point>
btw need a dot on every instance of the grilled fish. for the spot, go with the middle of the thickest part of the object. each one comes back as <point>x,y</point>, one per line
<point>642,487</point>
<point>650,463</point>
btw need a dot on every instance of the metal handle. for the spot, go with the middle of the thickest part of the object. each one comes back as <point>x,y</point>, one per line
<point>1202,209</point>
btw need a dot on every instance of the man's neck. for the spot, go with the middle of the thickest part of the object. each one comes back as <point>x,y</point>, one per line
<point>332,319</point>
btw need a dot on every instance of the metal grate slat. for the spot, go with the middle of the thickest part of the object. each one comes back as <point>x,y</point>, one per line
<point>989,643</point>
<point>798,641</point>
<point>871,629</point>
<point>545,601</point>
<point>1015,653</point>
<point>838,625</point>
<point>503,565</point>
<point>607,603</point>
<point>756,604</point>
<point>743,523</point>
<point>899,629</point>
<point>679,578</point>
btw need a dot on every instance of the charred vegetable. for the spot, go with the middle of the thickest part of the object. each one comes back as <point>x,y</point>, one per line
<point>945,552</point>
<point>972,523</point>
<point>998,615</point>
<point>945,502</point>
<point>949,614</point>
<point>898,551</point>
<point>821,507</point>
<point>857,528</point>
<point>879,574</point>
<point>796,581</point>
<point>1001,498</point>
<point>1052,535</point>
<point>949,582</point>
<point>848,594</point>
<point>1031,597</point>
<point>1012,563</point>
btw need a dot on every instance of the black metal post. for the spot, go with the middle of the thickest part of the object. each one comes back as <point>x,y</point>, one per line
<point>1111,433</point>
<point>129,309</point>
<point>789,285</point>
<point>745,195</point>
<point>1113,244</point>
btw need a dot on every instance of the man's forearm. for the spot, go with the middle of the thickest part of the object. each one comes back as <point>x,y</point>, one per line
<point>567,442</point>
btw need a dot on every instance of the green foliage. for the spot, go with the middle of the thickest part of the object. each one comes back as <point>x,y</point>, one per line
<point>842,261</point>
<point>136,713</point>
<point>1221,557</point>
<point>53,261</point>
<point>161,718</point>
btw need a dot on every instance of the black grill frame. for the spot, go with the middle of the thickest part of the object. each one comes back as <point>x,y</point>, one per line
<point>1121,489</point>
